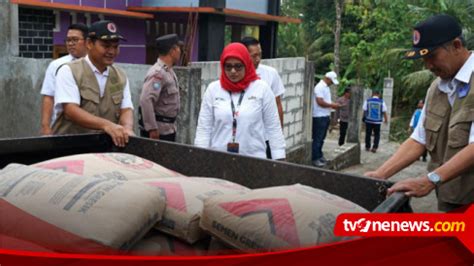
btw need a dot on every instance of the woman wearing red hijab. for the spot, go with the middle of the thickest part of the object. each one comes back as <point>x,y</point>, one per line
<point>238,111</point>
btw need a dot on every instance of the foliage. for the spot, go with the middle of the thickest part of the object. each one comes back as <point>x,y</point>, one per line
<point>375,35</point>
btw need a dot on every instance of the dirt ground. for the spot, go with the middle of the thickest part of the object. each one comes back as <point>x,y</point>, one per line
<point>370,161</point>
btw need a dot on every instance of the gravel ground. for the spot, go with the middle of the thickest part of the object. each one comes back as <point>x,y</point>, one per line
<point>371,161</point>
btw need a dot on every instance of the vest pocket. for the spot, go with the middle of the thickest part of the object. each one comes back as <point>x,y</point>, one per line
<point>90,95</point>
<point>117,98</point>
<point>459,135</point>
<point>432,127</point>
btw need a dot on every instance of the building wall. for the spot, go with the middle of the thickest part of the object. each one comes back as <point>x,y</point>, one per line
<point>35,32</point>
<point>132,51</point>
<point>20,98</point>
<point>177,3</point>
<point>260,6</point>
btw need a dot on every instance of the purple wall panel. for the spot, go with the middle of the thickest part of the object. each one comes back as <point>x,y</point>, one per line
<point>96,3</point>
<point>132,55</point>
<point>135,2</point>
<point>195,52</point>
<point>116,4</point>
<point>58,37</point>
<point>134,31</point>
<point>70,2</point>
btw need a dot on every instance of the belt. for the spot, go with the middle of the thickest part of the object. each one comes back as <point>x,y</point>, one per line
<point>165,119</point>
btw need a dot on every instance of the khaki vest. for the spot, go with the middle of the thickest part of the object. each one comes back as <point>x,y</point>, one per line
<point>447,132</point>
<point>107,107</point>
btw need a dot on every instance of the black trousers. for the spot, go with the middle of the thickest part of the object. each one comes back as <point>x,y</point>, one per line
<point>342,132</point>
<point>169,137</point>
<point>369,128</point>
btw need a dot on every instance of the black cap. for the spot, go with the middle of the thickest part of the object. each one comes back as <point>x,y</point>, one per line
<point>104,30</point>
<point>432,33</point>
<point>165,42</point>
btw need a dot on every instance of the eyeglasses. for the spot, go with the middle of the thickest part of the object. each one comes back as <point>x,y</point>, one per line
<point>72,40</point>
<point>237,67</point>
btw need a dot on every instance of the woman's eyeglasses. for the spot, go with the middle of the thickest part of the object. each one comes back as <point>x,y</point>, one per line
<point>72,40</point>
<point>237,67</point>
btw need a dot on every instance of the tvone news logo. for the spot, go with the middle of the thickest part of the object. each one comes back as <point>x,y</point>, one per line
<point>364,225</point>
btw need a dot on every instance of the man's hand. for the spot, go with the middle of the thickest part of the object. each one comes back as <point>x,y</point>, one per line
<point>130,132</point>
<point>336,106</point>
<point>374,174</point>
<point>118,134</point>
<point>46,131</point>
<point>413,187</point>
<point>154,134</point>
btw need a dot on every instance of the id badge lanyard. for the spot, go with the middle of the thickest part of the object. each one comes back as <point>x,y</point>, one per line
<point>235,113</point>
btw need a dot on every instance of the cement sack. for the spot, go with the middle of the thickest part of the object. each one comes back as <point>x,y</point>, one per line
<point>219,248</point>
<point>157,243</point>
<point>71,213</point>
<point>184,196</point>
<point>121,166</point>
<point>275,218</point>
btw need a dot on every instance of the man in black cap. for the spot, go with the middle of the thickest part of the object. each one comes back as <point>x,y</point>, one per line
<point>159,100</point>
<point>93,95</point>
<point>446,123</point>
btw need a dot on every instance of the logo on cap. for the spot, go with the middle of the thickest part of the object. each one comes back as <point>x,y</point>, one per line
<point>111,27</point>
<point>416,37</point>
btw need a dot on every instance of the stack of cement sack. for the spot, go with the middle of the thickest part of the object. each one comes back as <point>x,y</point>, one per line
<point>275,218</point>
<point>115,202</point>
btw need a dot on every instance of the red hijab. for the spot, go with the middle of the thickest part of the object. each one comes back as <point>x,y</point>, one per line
<point>238,51</point>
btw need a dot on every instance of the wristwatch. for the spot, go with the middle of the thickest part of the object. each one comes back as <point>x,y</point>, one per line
<point>434,178</point>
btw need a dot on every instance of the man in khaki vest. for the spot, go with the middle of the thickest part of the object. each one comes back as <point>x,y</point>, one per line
<point>446,123</point>
<point>91,94</point>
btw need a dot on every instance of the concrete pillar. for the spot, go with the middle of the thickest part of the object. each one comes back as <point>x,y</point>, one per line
<point>387,97</point>
<point>308,109</point>
<point>355,114</point>
<point>8,29</point>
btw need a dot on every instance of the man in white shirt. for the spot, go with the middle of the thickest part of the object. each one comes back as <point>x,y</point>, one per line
<point>76,47</point>
<point>91,93</point>
<point>268,74</point>
<point>446,126</point>
<point>322,106</point>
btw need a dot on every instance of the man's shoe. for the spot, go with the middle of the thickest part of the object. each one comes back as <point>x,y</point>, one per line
<point>318,163</point>
<point>373,150</point>
<point>322,159</point>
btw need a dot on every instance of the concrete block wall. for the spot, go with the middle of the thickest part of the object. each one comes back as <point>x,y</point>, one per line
<point>20,99</point>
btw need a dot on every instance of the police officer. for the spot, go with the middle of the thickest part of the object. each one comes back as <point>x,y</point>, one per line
<point>91,93</point>
<point>159,100</point>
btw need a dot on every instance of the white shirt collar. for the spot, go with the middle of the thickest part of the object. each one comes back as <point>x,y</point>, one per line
<point>94,69</point>
<point>463,76</point>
